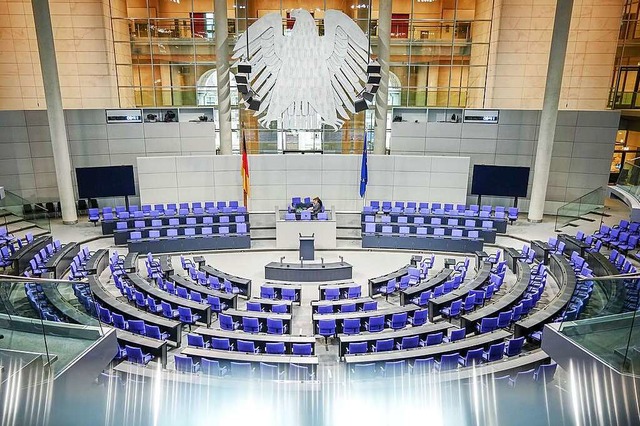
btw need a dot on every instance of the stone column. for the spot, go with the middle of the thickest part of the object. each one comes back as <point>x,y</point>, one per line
<point>384,41</point>
<point>222,72</point>
<point>549,115</point>
<point>55,113</point>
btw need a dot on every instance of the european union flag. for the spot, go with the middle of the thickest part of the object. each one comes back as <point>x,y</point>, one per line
<point>364,172</point>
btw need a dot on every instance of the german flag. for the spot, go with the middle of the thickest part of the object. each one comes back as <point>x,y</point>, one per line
<point>245,170</point>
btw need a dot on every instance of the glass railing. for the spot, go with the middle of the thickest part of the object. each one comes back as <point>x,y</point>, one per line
<point>613,339</point>
<point>629,178</point>
<point>44,319</point>
<point>591,202</point>
<point>24,209</point>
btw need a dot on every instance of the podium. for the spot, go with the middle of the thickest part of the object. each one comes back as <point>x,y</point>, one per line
<point>307,247</point>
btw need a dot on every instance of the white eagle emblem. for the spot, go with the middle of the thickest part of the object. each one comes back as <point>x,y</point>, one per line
<point>302,76</point>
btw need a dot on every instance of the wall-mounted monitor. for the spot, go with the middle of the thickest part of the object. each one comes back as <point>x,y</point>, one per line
<point>502,181</point>
<point>101,182</point>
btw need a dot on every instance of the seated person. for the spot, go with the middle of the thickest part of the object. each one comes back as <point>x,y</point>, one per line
<point>316,207</point>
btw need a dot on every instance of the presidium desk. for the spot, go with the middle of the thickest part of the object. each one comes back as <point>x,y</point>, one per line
<point>288,232</point>
<point>304,271</point>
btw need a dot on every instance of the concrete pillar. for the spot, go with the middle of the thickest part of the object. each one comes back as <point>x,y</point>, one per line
<point>222,72</point>
<point>55,113</point>
<point>384,41</point>
<point>549,114</point>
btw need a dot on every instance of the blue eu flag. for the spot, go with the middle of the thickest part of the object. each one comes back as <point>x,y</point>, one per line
<point>364,172</point>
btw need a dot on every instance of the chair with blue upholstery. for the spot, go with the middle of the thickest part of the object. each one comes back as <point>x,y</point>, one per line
<point>457,334</point>
<point>408,342</point>
<point>420,317</point>
<point>136,356</point>
<point>251,325</point>
<point>302,349</point>
<point>382,345</point>
<point>276,326</point>
<point>227,322</point>
<point>447,362</point>
<point>137,326</point>
<point>185,364</point>
<point>351,326</point>
<point>211,367</point>
<point>247,346</point>
<point>186,316</point>
<point>153,331</point>
<point>221,343</point>
<point>326,328</point>
<point>357,348</point>
<point>197,341</point>
<point>332,293</point>
<point>494,353</point>
<point>398,321</point>
<point>514,347</point>
<point>433,339</point>
<point>473,357</point>
<point>374,324</point>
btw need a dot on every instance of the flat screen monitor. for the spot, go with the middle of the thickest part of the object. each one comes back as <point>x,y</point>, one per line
<point>100,182</point>
<point>502,181</point>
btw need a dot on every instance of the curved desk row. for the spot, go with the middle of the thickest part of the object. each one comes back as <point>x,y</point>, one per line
<point>61,260</point>
<point>186,244</point>
<point>262,317</point>
<point>202,309</point>
<point>415,291</point>
<point>229,299</point>
<point>481,278</point>
<point>226,357</point>
<point>504,303</point>
<point>461,346</point>
<point>487,234</point>
<point>345,339</point>
<point>260,339</point>
<point>375,284</point>
<point>108,226</point>
<point>614,292</point>
<point>341,287</point>
<point>499,224</point>
<point>23,255</point>
<point>308,272</point>
<point>52,293</point>
<point>422,242</point>
<point>121,236</point>
<point>337,304</point>
<point>364,315</point>
<point>155,347</point>
<point>278,287</point>
<point>243,284</point>
<point>107,300</point>
<point>563,274</point>
<point>98,262</point>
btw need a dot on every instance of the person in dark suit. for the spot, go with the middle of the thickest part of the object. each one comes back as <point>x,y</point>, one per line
<point>316,207</point>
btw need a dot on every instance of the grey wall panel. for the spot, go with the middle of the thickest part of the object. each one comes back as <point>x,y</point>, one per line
<point>38,133</point>
<point>517,132</point>
<point>161,130</point>
<point>13,134</point>
<point>443,130</point>
<point>89,147</point>
<point>516,147</point>
<point>16,150</point>
<point>41,149</point>
<point>83,132</point>
<point>125,131</point>
<point>598,119</point>
<point>85,116</point>
<point>480,146</point>
<point>197,130</point>
<point>567,118</point>
<point>190,164</point>
<point>90,160</point>
<point>43,165</point>
<point>13,118</point>
<point>562,149</point>
<point>595,134</point>
<point>201,145</point>
<point>195,179</point>
<point>526,117</point>
<point>408,130</point>
<point>479,131</point>
<point>36,118</point>
<point>565,133</point>
<point>127,146</point>
<point>449,146</point>
<point>45,180</point>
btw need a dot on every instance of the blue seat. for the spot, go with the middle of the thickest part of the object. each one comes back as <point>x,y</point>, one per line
<point>227,322</point>
<point>332,293</point>
<point>409,342</point>
<point>494,353</point>
<point>370,306</point>
<point>487,325</point>
<point>453,310</point>
<point>279,309</point>
<point>153,331</point>
<point>152,306</point>
<point>275,348</point>
<point>353,292</point>
<point>327,328</point>
<point>348,307</point>
<point>216,304</point>
<point>185,364</point>
<point>135,355</point>
<point>419,317</point>
<point>423,366</point>
<point>104,315</point>
<point>544,373</point>
<point>298,372</point>
<point>241,369</point>
<point>302,349</point>
<point>433,339</point>
<point>398,321</point>
<point>186,316</point>
<point>251,325</point>
<point>375,324</point>
<point>363,371</point>
<point>247,346</point>
<point>221,344</point>
<point>168,311</point>
<point>289,294</point>
<point>254,306</point>
<point>137,326</point>
<point>196,340</point>
<point>383,345</point>
<point>269,372</point>
<point>523,379</point>
<point>325,309</point>
<point>211,367</point>
<point>504,319</point>
<point>276,326</point>
<point>357,348</point>
<point>267,292</point>
<point>447,362</point>
<point>394,368</point>
<point>457,334</point>
<point>119,322</point>
<point>514,346</point>
<point>351,326</point>
<point>474,356</point>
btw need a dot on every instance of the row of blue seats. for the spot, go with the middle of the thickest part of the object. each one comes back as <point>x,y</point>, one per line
<point>420,220</point>
<point>173,207</point>
<point>244,370</point>
<point>251,325</point>
<point>247,345</point>
<point>306,215</point>
<point>370,228</point>
<point>440,208</point>
<point>623,239</point>
<point>40,303</point>
<point>175,222</point>
<point>9,248</point>
<point>204,231</point>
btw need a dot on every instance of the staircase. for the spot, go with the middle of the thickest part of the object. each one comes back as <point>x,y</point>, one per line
<point>589,207</point>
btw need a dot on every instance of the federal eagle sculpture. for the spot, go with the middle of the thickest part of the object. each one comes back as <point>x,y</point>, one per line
<point>303,76</point>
